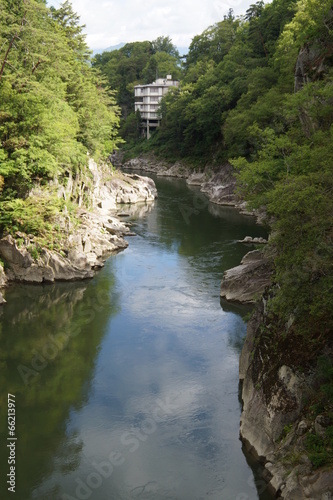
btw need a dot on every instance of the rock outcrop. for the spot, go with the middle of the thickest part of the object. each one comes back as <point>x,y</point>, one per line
<point>273,428</point>
<point>86,245</point>
<point>3,283</point>
<point>197,179</point>
<point>309,65</point>
<point>147,163</point>
<point>179,169</point>
<point>249,240</point>
<point>113,188</point>
<point>313,61</point>
<point>246,282</point>
<point>220,188</point>
<point>84,252</point>
<point>218,183</point>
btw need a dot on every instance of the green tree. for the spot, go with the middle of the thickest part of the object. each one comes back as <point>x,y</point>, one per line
<point>136,63</point>
<point>69,22</point>
<point>214,43</point>
<point>164,44</point>
<point>290,173</point>
<point>123,69</point>
<point>54,107</point>
<point>160,65</point>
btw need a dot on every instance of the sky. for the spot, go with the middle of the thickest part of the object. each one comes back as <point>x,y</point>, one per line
<point>109,22</point>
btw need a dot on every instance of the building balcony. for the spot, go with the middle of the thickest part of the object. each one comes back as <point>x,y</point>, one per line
<point>151,91</point>
<point>148,115</point>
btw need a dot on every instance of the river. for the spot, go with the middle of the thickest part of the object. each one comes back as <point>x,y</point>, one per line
<point>126,386</point>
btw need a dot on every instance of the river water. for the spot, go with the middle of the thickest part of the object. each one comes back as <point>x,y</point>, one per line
<point>126,386</point>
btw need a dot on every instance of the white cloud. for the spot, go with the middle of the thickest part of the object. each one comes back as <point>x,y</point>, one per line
<point>111,22</point>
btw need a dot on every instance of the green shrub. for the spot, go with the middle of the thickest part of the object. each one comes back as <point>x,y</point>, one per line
<point>34,251</point>
<point>319,449</point>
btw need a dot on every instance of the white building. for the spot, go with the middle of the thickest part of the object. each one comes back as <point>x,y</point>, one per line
<point>147,101</point>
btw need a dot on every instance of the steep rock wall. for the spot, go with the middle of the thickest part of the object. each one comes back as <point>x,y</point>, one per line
<point>273,425</point>
<point>87,241</point>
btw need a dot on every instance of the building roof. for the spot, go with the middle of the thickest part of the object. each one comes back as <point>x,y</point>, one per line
<point>161,82</point>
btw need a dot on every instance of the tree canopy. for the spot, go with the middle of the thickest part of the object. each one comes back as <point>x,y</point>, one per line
<point>55,108</point>
<point>137,63</point>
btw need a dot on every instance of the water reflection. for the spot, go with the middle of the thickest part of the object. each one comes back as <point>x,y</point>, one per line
<point>139,399</point>
<point>48,351</point>
<point>138,210</point>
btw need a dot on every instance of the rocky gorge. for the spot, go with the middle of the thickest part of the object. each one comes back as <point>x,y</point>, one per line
<point>88,241</point>
<point>274,423</point>
<point>277,373</point>
<point>246,282</point>
<point>218,183</point>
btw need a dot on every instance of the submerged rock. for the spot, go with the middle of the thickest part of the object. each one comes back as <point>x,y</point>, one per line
<point>249,240</point>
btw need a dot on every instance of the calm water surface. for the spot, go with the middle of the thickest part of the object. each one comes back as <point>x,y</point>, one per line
<point>127,385</point>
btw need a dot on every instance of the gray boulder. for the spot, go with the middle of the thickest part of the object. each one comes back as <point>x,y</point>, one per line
<point>246,282</point>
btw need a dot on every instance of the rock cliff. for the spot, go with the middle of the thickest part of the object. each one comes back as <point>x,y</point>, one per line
<point>247,282</point>
<point>96,234</point>
<point>286,375</point>
<point>218,182</point>
<point>275,422</point>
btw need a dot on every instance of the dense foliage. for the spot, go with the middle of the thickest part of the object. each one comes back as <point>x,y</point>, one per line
<point>228,72</point>
<point>289,170</point>
<point>54,108</point>
<point>137,63</point>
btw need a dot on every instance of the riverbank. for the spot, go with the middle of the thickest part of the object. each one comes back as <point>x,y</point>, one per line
<point>142,349</point>
<point>286,420</point>
<point>88,239</point>
<point>218,183</point>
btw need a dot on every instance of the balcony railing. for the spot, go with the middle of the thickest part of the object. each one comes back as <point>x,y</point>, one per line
<point>149,115</point>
